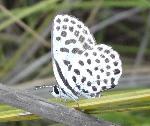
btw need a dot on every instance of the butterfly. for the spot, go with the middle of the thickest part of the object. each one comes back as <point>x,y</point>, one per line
<point>81,67</point>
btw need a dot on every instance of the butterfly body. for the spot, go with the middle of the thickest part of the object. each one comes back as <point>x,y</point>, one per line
<point>81,67</point>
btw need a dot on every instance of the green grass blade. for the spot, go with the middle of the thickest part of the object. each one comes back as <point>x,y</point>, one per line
<point>41,6</point>
<point>116,101</point>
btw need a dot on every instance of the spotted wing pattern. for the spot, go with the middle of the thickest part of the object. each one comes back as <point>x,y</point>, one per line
<point>96,70</point>
<point>70,38</point>
<point>80,66</point>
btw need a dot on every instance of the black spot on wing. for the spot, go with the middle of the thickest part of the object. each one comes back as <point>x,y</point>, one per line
<point>88,83</point>
<point>90,41</point>
<point>64,50</point>
<point>73,22</point>
<point>81,38</point>
<point>77,71</point>
<point>105,81</point>
<point>94,88</point>
<point>81,62</point>
<point>83,79</point>
<point>94,53</point>
<point>86,46</point>
<point>77,50</point>
<point>100,48</point>
<point>96,68</point>
<point>78,86</point>
<point>66,19</point>
<point>89,71</point>
<point>58,38</point>
<point>101,70</point>
<point>98,82</point>
<point>66,62</point>
<point>115,63</point>
<point>102,56</point>
<point>69,67</point>
<point>58,28</point>
<point>73,41</point>
<point>64,27</point>
<point>63,33</point>
<point>89,61</point>
<point>112,56</point>
<point>108,73</point>
<point>85,31</point>
<point>112,80</point>
<point>79,26</point>
<point>107,51</point>
<point>106,60</point>
<point>85,91</point>
<point>76,33</point>
<point>108,67</point>
<point>116,71</point>
<point>58,20</point>
<point>86,54</point>
<point>97,60</point>
<point>74,79</point>
<point>71,29</point>
<point>113,85</point>
<point>98,76</point>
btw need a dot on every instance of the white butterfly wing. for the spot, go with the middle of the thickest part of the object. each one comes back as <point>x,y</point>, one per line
<point>70,38</point>
<point>100,69</point>
<point>80,66</point>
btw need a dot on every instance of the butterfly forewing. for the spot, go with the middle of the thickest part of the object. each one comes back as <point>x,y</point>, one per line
<point>70,38</point>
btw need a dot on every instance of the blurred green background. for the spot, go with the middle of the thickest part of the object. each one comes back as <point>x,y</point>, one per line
<point>25,27</point>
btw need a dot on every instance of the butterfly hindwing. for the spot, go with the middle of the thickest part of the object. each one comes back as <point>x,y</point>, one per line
<point>70,38</point>
<point>100,69</point>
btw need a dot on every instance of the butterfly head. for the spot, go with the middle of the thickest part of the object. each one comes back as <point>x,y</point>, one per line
<point>55,91</point>
<point>59,92</point>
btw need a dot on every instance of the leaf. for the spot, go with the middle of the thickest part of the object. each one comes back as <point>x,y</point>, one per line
<point>41,6</point>
<point>115,101</point>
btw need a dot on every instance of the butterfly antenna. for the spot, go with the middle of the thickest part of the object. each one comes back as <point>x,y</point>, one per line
<point>43,86</point>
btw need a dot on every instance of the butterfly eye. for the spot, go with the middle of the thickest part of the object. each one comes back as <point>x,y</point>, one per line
<point>56,89</point>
